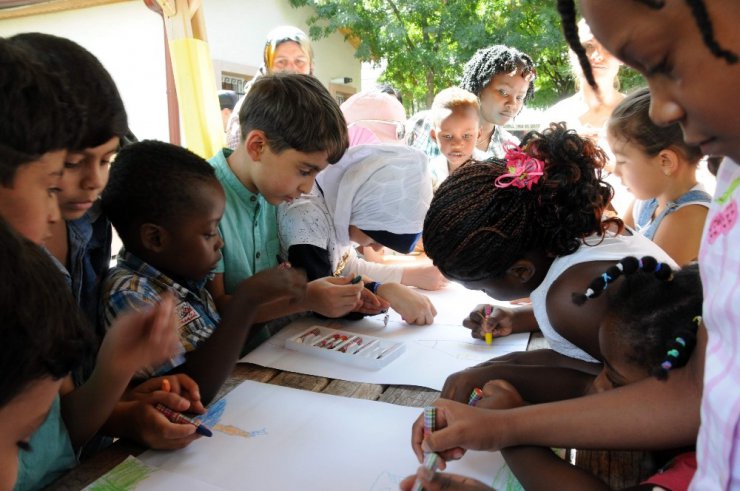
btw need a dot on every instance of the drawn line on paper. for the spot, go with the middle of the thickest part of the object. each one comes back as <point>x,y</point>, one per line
<point>473,351</point>
<point>235,431</point>
<point>214,414</point>
<point>386,481</point>
<point>126,476</point>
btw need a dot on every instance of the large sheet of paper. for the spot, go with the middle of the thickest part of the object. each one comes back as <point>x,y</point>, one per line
<point>269,437</point>
<point>134,475</point>
<point>432,352</point>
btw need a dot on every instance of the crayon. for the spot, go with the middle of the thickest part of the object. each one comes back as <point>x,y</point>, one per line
<point>356,279</point>
<point>430,419</point>
<point>364,348</point>
<point>348,344</point>
<point>475,396</point>
<point>488,335</point>
<point>176,417</point>
<point>390,349</point>
<point>309,335</point>
<point>431,462</point>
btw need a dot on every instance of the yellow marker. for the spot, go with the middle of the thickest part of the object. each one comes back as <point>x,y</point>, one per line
<point>489,338</point>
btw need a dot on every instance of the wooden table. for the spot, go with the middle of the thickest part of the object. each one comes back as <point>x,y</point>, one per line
<point>619,469</point>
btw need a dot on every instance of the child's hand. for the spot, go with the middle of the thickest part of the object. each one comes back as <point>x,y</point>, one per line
<point>425,277</point>
<point>151,428</point>
<point>459,385</point>
<point>141,339</point>
<point>183,394</point>
<point>372,304</point>
<point>440,481</point>
<point>333,297</point>
<point>500,394</point>
<point>414,307</point>
<point>499,323</point>
<point>458,427</point>
<point>277,283</point>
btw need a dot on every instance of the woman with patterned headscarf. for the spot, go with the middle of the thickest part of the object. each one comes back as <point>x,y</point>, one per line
<point>287,50</point>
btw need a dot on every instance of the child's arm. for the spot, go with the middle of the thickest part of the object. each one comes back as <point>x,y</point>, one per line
<point>426,277</point>
<point>679,234</point>
<point>649,414</point>
<point>627,216</point>
<point>136,340</point>
<point>214,359</point>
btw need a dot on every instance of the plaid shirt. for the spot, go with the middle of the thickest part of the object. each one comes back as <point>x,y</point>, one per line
<point>134,284</point>
<point>419,137</point>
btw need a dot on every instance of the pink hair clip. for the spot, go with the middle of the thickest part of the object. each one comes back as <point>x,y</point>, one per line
<point>524,170</point>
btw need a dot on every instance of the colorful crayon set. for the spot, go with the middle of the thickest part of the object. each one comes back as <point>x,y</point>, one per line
<point>346,347</point>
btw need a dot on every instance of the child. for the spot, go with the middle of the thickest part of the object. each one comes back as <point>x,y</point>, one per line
<point>456,129</point>
<point>503,79</point>
<point>650,329</point>
<point>678,69</point>
<point>44,338</point>
<point>531,226</point>
<point>374,117</point>
<point>376,195</point>
<point>81,242</point>
<point>660,170</point>
<point>166,203</point>
<point>291,129</point>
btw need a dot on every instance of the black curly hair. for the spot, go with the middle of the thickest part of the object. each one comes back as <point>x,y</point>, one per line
<point>568,18</point>
<point>656,312</point>
<point>486,63</point>
<point>152,181</point>
<point>475,230</point>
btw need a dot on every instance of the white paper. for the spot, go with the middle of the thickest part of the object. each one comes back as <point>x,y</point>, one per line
<point>134,475</point>
<point>267,437</point>
<point>432,352</point>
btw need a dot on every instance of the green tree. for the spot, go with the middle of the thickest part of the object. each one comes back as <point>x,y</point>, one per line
<point>427,42</point>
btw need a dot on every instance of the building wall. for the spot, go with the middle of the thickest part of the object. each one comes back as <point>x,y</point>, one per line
<point>128,39</point>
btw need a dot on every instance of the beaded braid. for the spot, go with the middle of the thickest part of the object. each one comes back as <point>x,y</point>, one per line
<point>567,11</point>
<point>626,266</point>
<point>679,349</point>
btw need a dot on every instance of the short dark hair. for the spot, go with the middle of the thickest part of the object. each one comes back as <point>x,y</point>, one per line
<point>87,82</point>
<point>35,115</point>
<point>476,230</point>
<point>295,112</point>
<point>631,121</point>
<point>43,331</point>
<point>486,63</point>
<point>152,182</point>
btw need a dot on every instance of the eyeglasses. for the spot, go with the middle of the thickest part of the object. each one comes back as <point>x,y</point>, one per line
<point>400,128</point>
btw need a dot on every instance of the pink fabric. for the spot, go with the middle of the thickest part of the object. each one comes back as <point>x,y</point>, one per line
<point>677,475</point>
<point>718,446</point>
<point>361,136</point>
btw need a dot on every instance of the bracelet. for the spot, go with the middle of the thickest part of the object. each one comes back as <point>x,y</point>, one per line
<point>373,286</point>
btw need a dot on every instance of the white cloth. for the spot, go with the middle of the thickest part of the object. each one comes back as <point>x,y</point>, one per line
<point>612,248</point>
<point>373,187</point>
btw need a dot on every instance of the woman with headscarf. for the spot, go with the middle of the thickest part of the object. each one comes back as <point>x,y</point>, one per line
<point>287,50</point>
<point>376,196</point>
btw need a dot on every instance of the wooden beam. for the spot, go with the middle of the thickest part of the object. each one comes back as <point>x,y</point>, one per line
<point>51,6</point>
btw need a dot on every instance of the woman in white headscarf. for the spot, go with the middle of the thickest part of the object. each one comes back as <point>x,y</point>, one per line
<point>377,196</point>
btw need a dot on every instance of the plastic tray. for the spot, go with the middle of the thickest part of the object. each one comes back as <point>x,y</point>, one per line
<point>346,347</point>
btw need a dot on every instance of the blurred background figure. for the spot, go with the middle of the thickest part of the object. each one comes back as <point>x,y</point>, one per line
<point>227,99</point>
<point>374,116</point>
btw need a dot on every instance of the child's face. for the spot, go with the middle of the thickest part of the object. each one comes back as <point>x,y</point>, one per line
<point>193,245</point>
<point>290,58</point>
<point>29,204</point>
<point>640,173</point>
<point>688,84</point>
<point>85,176</point>
<point>19,418</point>
<point>504,287</point>
<point>283,177</point>
<point>503,97</point>
<point>618,369</point>
<point>456,135</point>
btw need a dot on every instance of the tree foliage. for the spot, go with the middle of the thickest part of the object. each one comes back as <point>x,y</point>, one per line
<point>427,42</point>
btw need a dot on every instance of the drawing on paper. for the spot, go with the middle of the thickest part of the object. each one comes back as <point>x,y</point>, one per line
<point>214,414</point>
<point>472,351</point>
<point>126,476</point>
<point>386,482</point>
<point>234,431</point>
<point>506,481</point>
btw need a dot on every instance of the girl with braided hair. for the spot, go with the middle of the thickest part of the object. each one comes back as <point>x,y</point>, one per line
<point>688,51</point>
<point>531,225</point>
<point>648,330</point>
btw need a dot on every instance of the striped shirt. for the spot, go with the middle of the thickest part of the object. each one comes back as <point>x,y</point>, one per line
<point>134,284</point>
<point>718,446</point>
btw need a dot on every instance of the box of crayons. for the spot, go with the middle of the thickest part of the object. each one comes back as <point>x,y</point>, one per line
<point>345,347</point>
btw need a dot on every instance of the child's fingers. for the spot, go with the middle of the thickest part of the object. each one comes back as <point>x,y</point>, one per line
<point>187,385</point>
<point>172,400</point>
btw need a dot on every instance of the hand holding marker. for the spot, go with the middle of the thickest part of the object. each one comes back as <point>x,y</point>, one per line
<point>176,417</point>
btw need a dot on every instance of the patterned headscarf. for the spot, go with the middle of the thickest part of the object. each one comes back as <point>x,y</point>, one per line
<point>280,35</point>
